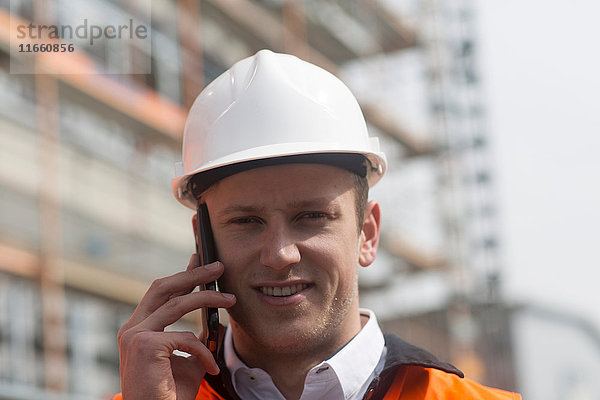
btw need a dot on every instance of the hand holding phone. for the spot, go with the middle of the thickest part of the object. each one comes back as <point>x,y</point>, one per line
<point>207,253</point>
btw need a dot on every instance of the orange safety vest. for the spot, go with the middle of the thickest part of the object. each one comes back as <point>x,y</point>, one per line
<point>412,383</point>
<point>417,383</point>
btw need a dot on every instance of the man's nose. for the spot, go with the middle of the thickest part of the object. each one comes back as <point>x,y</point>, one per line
<point>279,249</point>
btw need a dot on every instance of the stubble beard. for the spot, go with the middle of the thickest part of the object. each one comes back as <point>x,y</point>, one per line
<point>317,334</point>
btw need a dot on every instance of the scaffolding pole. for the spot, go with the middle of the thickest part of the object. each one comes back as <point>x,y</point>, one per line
<point>51,272</point>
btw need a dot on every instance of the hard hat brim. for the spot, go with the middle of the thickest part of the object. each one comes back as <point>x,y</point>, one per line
<point>188,187</point>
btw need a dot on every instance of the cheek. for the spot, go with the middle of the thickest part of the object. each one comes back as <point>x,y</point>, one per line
<point>337,256</point>
<point>234,257</point>
<point>233,248</point>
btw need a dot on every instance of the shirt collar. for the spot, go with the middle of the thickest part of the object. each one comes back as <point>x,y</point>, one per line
<point>356,361</point>
<point>347,372</point>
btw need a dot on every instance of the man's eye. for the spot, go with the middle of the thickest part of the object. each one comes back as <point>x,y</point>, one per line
<point>313,215</point>
<point>246,220</point>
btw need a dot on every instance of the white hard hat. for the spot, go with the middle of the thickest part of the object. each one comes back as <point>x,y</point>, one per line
<point>269,109</point>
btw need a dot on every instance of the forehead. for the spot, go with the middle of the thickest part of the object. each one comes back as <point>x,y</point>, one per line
<point>292,183</point>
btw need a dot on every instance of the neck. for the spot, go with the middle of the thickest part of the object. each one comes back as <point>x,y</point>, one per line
<point>288,367</point>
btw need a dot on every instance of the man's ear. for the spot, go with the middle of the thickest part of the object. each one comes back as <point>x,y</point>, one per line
<point>369,234</point>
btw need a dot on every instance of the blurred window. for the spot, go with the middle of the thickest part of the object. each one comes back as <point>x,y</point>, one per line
<point>17,94</point>
<point>21,361</point>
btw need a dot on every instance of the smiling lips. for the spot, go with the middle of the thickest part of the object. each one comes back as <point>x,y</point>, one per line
<point>284,291</point>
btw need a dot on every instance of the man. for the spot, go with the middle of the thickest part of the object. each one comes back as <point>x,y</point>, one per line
<point>277,149</point>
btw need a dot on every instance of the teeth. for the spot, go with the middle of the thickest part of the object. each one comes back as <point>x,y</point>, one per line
<point>283,291</point>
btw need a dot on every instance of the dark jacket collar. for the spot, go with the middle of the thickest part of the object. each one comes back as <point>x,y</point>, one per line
<point>401,354</point>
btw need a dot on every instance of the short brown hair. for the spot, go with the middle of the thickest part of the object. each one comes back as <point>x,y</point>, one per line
<point>361,187</point>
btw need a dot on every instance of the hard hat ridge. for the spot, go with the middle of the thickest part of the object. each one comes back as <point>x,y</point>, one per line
<point>270,106</point>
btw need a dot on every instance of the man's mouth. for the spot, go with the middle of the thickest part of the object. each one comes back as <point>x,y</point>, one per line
<point>284,291</point>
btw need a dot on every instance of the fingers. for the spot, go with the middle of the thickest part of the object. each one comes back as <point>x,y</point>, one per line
<point>188,342</point>
<point>147,346</point>
<point>164,289</point>
<point>193,263</point>
<point>177,307</point>
<point>146,351</point>
<point>194,260</point>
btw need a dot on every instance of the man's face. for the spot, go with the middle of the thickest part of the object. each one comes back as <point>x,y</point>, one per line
<point>288,238</point>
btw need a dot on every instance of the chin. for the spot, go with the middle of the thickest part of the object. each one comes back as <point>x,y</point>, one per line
<point>297,335</point>
<point>291,341</point>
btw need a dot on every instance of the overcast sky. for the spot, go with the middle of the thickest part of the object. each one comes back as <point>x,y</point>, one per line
<point>541,66</point>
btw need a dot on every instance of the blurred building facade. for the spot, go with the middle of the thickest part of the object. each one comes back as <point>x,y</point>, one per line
<point>87,220</point>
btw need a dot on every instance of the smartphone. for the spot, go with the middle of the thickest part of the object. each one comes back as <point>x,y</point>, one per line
<point>207,253</point>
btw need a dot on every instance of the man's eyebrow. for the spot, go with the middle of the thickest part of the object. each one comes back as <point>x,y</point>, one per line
<point>295,204</point>
<point>237,208</point>
<point>312,202</point>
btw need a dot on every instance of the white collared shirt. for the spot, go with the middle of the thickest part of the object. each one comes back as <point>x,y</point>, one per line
<point>346,375</point>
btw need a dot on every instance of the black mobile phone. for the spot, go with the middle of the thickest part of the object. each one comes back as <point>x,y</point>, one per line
<point>207,253</point>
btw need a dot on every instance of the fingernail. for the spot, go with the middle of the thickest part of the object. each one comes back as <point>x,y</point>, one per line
<point>212,267</point>
<point>228,296</point>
